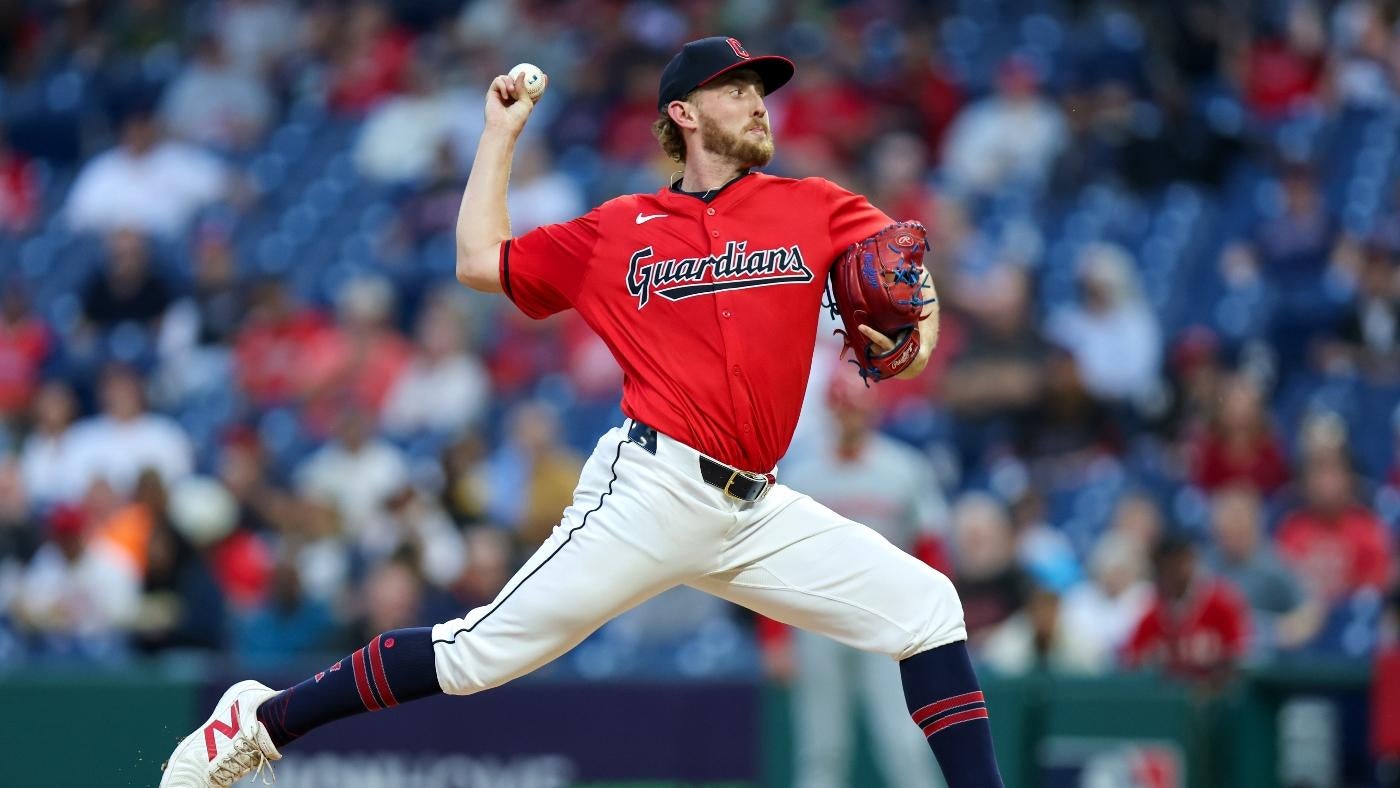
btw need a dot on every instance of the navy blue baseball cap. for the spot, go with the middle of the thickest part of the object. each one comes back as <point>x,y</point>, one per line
<point>700,62</point>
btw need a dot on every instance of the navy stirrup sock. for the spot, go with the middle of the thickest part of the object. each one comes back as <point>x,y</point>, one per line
<point>943,696</point>
<point>393,668</point>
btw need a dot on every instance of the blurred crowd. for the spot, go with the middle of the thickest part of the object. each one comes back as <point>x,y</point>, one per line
<point>244,407</point>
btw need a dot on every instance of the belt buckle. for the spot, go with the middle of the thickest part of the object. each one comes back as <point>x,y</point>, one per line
<point>735,473</point>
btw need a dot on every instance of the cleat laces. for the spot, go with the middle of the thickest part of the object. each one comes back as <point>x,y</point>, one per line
<point>245,757</point>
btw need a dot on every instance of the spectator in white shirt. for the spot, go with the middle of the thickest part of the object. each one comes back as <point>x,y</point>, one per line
<point>539,193</point>
<point>1105,609</point>
<point>356,473</point>
<point>1039,638</point>
<point>1010,137</point>
<point>146,183</point>
<point>77,593</point>
<point>257,34</point>
<point>126,439</point>
<point>402,135</point>
<point>1112,332</point>
<point>445,389</point>
<point>214,103</point>
<point>46,460</point>
<point>415,524</point>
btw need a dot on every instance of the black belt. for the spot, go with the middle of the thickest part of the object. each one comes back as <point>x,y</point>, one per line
<point>738,484</point>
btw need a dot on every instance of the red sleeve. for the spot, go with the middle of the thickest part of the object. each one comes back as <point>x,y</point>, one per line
<point>1143,641</point>
<point>852,217</point>
<point>542,269</point>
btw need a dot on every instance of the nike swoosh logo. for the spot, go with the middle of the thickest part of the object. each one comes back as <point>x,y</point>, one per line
<point>642,219</point>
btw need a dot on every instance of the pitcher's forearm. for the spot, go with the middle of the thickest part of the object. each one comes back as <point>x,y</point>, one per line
<point>928,327</point>
<point>483,222</point>
<point>928,331</point>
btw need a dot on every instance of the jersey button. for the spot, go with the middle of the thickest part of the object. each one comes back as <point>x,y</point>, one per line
<point>748,427</point>
<point>736,370</point>
<point>715,233</point>
<point>727,313</point>
<point>710,211</point>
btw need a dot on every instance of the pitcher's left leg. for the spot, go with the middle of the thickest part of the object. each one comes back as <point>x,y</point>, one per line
<point>800,563</point>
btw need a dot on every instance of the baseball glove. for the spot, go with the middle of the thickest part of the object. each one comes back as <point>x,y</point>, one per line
<point>879,282</point>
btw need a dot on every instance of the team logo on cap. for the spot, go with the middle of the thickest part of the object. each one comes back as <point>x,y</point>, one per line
<point>738,48</point>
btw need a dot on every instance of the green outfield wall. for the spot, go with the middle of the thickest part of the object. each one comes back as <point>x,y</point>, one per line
<point>88,729</point>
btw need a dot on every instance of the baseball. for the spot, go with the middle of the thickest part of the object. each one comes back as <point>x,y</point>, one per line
<point>534,79</point>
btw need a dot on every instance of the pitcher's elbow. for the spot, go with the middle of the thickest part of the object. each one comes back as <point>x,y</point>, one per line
<point>477,268</point>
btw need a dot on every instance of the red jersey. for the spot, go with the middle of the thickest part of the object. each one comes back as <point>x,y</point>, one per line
<point>710,308</point>
<point>1207,629</point>
<point>23,348</point>
<point>1339,555</point>
<point>1261,465</point>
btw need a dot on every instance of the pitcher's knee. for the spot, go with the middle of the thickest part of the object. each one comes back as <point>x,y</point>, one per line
<point>942,616</point>
<point>456,680</point>
<point>467,663</point>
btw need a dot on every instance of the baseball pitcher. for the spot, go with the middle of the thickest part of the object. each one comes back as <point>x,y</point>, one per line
<point>708,294</point>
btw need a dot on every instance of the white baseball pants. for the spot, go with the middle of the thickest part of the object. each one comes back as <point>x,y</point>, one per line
<point>643,522</point>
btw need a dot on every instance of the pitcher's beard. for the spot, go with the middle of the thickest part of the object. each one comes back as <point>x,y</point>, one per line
<point>743,151</point>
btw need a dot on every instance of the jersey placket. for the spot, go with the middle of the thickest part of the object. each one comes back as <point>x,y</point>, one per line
<point>732,337</point>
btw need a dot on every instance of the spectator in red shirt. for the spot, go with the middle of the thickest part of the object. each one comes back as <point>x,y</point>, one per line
<point>356,364</point>
<point>270,351</point>
<point>1283,71</point>
<point>371,59</point>
<point>24,344</point>
<point>524,351</point>
<point>19,189</point>
<point>919,89</point>
<point>827,110</point>
<point>1197,625</point>
<point>1239,446</point>
<point>1335,544</point>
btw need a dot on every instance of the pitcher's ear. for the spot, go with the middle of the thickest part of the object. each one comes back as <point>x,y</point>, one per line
<point>682,113</point>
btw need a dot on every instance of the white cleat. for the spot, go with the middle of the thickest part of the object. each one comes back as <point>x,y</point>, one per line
<point>230,745</point>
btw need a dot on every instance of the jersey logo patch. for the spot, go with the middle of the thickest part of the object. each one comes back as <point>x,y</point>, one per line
<point>736,269</point>
<point>643,219</point>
